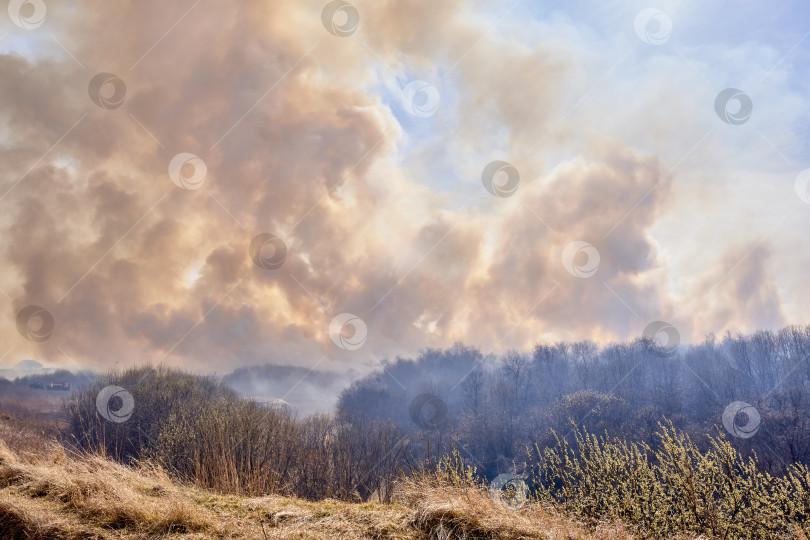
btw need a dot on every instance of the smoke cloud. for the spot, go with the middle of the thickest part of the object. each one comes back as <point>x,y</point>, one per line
<point>626,210</point>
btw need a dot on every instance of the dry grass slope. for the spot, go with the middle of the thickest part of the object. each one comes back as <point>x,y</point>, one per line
<point>47,493</point>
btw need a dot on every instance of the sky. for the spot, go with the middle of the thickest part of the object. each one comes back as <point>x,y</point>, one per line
<point>208,184</point>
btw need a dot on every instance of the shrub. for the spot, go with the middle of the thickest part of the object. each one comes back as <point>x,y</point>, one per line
<point>158,394</point>
<point>205,434</point>
<point>673,489</point>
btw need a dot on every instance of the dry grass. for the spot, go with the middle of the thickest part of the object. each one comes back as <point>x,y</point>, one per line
<point>24,424</point>
<point>49,494</point>
<point>46,492</point>
<point>468,512</point>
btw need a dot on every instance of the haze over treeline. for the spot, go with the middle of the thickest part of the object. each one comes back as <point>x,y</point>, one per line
<point>754,388</point>
<point>494,405</point>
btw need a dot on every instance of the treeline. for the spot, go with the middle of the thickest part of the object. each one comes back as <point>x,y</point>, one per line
<point>755,387</point>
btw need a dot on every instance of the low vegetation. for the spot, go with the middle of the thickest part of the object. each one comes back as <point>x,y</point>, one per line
<point>46,492</point>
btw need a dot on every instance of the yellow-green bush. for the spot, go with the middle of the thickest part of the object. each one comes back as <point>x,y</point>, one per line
<point>674,488</point>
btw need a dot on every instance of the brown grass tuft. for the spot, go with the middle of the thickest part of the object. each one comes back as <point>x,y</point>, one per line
<point>42,490</point>
<point>444,510</point>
